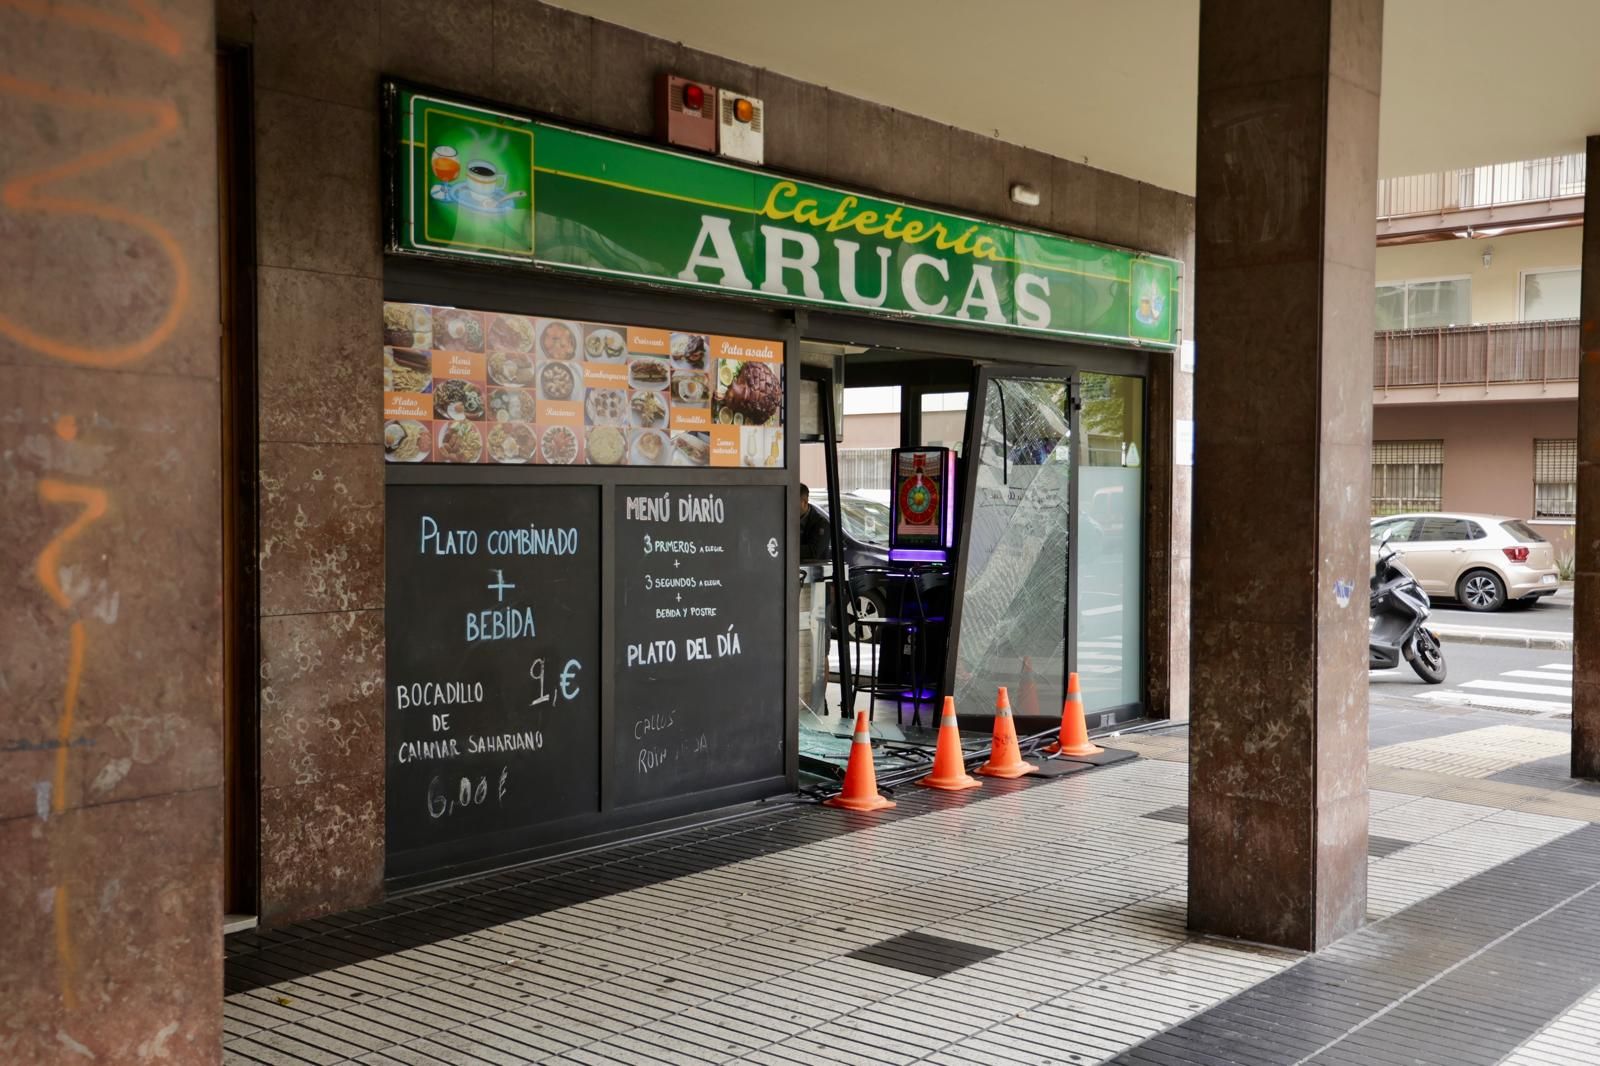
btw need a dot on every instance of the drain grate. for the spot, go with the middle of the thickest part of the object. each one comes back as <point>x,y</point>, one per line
<point>1377,847</point>
<point>924,955</point>
<point>1381,847</point>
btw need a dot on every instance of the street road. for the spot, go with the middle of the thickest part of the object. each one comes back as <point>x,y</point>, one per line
<point>1532,681</point>
<point>1553,614</point>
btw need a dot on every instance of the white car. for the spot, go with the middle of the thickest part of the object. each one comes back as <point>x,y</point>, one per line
<point>1484,561</point>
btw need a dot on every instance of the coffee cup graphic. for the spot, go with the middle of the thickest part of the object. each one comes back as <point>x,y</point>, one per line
<point>485,179</point>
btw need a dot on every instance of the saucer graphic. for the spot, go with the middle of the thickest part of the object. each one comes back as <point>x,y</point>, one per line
<point>489,204</point>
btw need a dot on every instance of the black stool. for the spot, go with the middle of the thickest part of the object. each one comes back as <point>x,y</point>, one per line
<point>872,586</point>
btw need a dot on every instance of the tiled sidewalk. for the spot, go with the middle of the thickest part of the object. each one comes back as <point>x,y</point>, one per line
<point>1057,908</point>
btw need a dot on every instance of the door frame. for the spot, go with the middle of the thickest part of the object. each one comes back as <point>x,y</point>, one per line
<point>976,411</point>
<point>238,365</point>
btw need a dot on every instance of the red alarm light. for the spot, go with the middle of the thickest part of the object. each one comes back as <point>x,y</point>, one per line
<point>694,97</point>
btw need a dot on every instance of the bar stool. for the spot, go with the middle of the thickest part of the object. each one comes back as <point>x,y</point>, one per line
<point>873,586</point>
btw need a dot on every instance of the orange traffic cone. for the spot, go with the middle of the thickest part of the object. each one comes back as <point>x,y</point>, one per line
<point>860,780</point>
<point>1005,758</point>
<point>1028,700</point>
<point>949,772</point>
<point>1074,738</point>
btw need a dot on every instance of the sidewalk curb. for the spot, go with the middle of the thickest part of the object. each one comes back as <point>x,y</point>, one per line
<point>1505,638</point>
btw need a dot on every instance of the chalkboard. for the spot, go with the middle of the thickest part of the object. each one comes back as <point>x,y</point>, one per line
<point>699,639</point>
<point>493,634</point>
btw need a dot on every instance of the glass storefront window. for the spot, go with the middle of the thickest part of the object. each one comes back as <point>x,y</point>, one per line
<point>1110,501</point>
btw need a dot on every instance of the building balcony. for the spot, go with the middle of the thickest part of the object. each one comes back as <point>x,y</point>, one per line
<point>1501,361</point>
<point>1482,201</point>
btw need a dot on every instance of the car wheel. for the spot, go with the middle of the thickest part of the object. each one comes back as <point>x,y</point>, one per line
<point>869,608</point>
<point>1481,590</point>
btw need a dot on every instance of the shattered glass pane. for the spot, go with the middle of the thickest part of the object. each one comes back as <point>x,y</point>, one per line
<point>1013,612</point>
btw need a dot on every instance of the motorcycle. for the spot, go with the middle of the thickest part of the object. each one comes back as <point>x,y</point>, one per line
<point>1398,609</point>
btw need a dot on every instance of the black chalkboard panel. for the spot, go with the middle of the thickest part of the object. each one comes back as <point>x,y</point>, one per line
<point>493,666</point>
<point>699,639</point>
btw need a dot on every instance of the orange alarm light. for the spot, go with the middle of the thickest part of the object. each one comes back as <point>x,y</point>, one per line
<point>743,110</point>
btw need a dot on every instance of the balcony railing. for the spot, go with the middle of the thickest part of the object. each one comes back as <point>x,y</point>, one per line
<point>1471,188</point>
<point>1502,353</point>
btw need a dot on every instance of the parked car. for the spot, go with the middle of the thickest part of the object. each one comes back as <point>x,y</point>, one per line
<point>1484,561</point>
<point>865,529</point>
<point>866,541</point>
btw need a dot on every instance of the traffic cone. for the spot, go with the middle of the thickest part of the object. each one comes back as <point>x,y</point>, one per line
<point>1028,700</point>
<point>949,772</point>
<point>1005,758</point>
<point>860,791</point>
<point>1074,737</point>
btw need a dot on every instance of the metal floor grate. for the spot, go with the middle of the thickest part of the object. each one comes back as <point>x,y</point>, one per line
<point>927,956</point>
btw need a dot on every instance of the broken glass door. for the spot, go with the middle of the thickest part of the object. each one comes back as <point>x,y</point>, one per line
<point>1013,583</point>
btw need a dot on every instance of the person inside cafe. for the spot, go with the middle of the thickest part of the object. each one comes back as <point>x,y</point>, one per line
<point>816,534</point>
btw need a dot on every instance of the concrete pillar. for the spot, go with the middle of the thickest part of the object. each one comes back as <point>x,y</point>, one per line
<point>1586,537</point>
<point>1286,179</point>
<point>110,721</point>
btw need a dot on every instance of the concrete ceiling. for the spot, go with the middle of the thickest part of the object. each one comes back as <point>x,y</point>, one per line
<point>1111,82</point>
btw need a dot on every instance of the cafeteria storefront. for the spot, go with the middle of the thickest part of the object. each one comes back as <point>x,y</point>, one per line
<point>593,353</point>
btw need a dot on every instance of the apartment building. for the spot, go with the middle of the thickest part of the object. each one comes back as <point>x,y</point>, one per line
<point>1475,350</point>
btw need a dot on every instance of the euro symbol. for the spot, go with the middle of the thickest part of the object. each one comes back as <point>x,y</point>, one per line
<point>568,689</point>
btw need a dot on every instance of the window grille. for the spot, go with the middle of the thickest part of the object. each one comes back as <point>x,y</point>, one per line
<point>1407,475</point>
<point>863,468</point>
<point>1555,478</point>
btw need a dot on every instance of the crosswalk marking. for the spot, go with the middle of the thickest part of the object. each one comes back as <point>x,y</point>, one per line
<point>1520,686</point>
<point>1501,703</point>
<point>1554,697</point>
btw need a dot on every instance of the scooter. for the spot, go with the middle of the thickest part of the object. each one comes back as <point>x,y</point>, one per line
<point>1399,608</point>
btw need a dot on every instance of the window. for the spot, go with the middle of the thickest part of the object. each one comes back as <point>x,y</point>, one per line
<point>1437,529</point>
<point>1555,478</point>
<point>865,520</point>
<point>1391,307</point>
<point>1398,529</point>
<point>944,419</point>
<point>1550,294</point>
<point>1424,304</point>
<point>1523,533</point>
<point>1407,475</point>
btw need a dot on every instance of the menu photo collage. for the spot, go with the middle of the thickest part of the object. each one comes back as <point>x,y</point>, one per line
<point>465,386</point>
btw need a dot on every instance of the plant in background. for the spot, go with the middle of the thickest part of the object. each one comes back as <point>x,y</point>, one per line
<point>1566,566</point>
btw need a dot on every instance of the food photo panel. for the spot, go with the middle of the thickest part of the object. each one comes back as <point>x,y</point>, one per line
<point>463,385</point>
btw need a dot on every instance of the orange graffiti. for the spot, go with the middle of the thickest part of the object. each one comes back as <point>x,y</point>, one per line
<point>150,28</point>
<point>47,570</point>
<point>69,964</point>
<point>69,709</point>
<point>66,427</point>
<point>20,193</point>
<point>46,567</point>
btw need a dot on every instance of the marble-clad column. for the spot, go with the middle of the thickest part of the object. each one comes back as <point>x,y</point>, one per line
<point>1286,179</point>
<point>1586,537</point>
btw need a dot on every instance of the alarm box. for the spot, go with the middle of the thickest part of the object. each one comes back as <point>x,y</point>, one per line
<point>686,112</point>
<point>740,119</point>
<point>922,505</point>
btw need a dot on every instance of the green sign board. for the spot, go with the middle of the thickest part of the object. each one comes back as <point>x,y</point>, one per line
<point>487,184</point>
